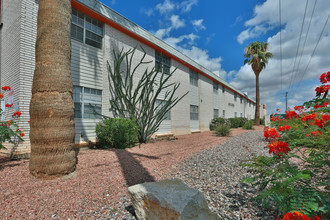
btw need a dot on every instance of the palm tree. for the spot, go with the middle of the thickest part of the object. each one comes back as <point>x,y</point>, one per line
<point>257,55</point>
<point>52,109</point>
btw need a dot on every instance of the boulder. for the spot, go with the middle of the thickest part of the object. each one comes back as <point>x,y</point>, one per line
<point>169,199</point>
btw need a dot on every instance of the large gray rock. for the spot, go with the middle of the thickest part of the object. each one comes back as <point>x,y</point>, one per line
<point>169,199</point>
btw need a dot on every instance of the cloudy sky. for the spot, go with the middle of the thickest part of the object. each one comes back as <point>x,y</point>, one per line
<point>214,33</point>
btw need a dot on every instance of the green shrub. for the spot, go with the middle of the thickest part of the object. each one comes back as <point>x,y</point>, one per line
<point>117,133</point>
<point>237,122</point>
<point>262,121</point>
<point>217,121</point>
<point>223,130</point>
<point>248,125</point>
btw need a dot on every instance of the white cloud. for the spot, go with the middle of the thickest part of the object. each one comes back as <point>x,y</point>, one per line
<point>198,24</point>
<point>166,7</point>
<point>273,84</point>
<point>177,22</point>
<point>186,6</point>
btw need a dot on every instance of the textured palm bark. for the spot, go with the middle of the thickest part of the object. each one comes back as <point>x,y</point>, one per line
<point>257,112</point>
<point>52,108</point>
<point>257,69</point>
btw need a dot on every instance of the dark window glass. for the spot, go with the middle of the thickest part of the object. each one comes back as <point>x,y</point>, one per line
<point>77,33</point>
<point>93,39</point>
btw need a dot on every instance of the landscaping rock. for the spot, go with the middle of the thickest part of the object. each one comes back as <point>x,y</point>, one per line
<point>169,199</point>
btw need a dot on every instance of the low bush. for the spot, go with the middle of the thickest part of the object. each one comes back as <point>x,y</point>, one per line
<point>237,122</point>
<point>223,130</point>
<point>217,121</point>
<point>262,121</point>
<point>248,125</point>
<point>117,133</point>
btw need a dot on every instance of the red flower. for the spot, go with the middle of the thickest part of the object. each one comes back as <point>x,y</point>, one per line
<point>17,114</point>
<point>309,117</point>
<point>271,133</point>
<point>9,105</point>
<point>319,123</point>
<point>276,118</point>
<point>325,117</point>
<point>28,121</point>
<point>22,134</point>
<point>325,104</point>
<point>278,148</point>
<point>6,88</point>
<point>298,216</point>
<point>291,114</point>
<point>284,128</point>
<point>18,129</point>
<point>307,135</point>
<point>1,96</point>
<point>316,133</point>
<point>299,108</point>
<point>325,77</point>
<point>277,109</point>
<point>322,89</point>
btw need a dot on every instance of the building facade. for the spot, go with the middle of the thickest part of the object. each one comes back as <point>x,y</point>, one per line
<point>96,31</point>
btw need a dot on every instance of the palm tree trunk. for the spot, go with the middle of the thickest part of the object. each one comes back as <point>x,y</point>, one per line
<point>257,110</point>
<point>52,108</point>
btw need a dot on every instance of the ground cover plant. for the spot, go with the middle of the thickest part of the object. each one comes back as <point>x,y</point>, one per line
<point>295,176</point>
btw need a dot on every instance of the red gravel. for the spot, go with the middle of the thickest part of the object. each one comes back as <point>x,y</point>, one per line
<point>102,178</point>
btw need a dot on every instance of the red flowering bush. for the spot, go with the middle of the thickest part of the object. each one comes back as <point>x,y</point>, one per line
<point>271,133</point>
<point>298,216</point>
<point>284,128</point>
<point>6,132</point>
<point>296,173</point>
<point>291,114</point>
<point>278,148</point>
<point>309,117</point>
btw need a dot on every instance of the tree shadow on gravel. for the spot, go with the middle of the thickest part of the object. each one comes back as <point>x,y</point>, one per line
<point>9,162</point>
<point>132,169</point>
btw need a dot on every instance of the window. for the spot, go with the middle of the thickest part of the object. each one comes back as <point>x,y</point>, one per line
<point>83,98</point>
<point>223,113</point>
<point>163,63</point>
<point>193,78</point>
<point>159,105</point>
<point>223,89</point>
<point>215,113</point>
<point>241,115</point>
<point>249,104</point>
<point>193,112</point>
<point>235,114</point>
<point>235,97</point>
<point>215,88</point>
<point>86,29</point>
<point>241,100</point>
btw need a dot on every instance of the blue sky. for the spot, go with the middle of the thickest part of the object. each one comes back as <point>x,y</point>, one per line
<point>214,33</point>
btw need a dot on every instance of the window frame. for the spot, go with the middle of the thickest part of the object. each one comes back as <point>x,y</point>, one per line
<point>194,114</point>
<point>215,113</point>
<point>163,62</point>
<point>83,25</point>
<point>215,87</point>
<point>193,78</point>
<point>167,116</point>
<point>83,101</point>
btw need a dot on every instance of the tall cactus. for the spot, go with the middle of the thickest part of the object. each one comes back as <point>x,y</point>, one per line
<point>137,99</point>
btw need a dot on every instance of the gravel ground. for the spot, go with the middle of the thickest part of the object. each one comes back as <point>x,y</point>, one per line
<point>217,173</point>
<point>99,190</point>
